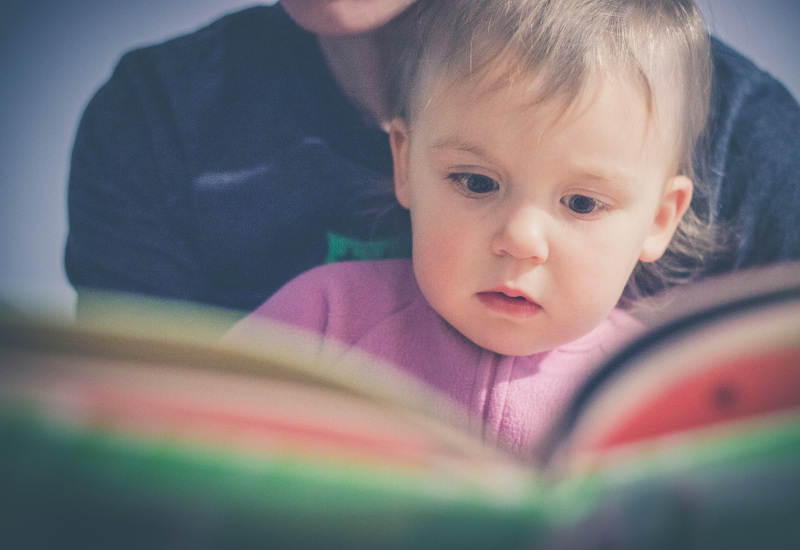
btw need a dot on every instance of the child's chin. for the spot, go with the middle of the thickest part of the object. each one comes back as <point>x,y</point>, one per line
<point>506,346</point>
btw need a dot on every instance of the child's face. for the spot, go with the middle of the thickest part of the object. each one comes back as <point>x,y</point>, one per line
<point>527,226</point>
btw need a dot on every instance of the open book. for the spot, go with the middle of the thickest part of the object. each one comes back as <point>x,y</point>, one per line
<point>153,434</point>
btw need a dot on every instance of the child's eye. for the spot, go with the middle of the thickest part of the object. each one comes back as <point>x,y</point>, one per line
<point>581,204</point>
<point>476,184</point>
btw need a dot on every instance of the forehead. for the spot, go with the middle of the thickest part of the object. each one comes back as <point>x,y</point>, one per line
<point>606,131</point>
<point>500,89</point>
<point>530,101</point>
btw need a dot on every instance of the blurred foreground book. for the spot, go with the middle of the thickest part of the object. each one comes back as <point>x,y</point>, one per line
<point>143,431</point>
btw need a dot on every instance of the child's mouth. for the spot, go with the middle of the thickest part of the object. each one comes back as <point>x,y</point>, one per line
<point>519,307</point>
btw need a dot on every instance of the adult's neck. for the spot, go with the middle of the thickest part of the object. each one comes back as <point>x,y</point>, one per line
<point>358,65</point>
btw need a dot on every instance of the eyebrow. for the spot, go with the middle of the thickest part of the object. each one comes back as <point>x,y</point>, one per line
<point>590,172</point>
<point>621,181</point>
<point>460,145</point>
<point>603,175</point>
<point>623,184</point>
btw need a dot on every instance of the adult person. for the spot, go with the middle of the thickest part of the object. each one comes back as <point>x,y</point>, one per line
<point>217,166</point>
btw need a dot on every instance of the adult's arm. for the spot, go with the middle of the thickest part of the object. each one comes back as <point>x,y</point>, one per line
<point>128,219</point>
<point>754,167</point>
<point>217,166</point>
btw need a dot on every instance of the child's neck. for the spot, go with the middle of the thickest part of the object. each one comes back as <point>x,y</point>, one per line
<point>356,63</point>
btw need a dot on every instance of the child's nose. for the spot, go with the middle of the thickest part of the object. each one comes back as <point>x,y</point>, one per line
<point>522,235</point>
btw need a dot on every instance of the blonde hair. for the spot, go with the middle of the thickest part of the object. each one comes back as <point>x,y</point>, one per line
<point>661,45</point>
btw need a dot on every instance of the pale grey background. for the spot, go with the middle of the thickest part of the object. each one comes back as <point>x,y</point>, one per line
<point>53,55</point>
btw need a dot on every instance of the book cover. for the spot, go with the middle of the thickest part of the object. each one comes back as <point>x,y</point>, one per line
<point>140,429</point>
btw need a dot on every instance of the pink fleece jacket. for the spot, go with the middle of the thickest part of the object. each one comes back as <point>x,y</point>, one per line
<point>377,307</point>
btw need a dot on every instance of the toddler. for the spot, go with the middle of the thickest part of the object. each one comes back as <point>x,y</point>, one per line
<point>544,152</point>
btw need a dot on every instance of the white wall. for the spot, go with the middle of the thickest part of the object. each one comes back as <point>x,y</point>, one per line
<point>767,31</point>
<point>53,55</point>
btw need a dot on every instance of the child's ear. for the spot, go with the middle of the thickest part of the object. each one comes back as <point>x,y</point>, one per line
<point>674,203</point>
<point>398,139</point>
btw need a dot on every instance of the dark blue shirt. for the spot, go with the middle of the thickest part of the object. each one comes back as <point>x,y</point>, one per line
<point>217,166</point>
<point>753,165</point>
